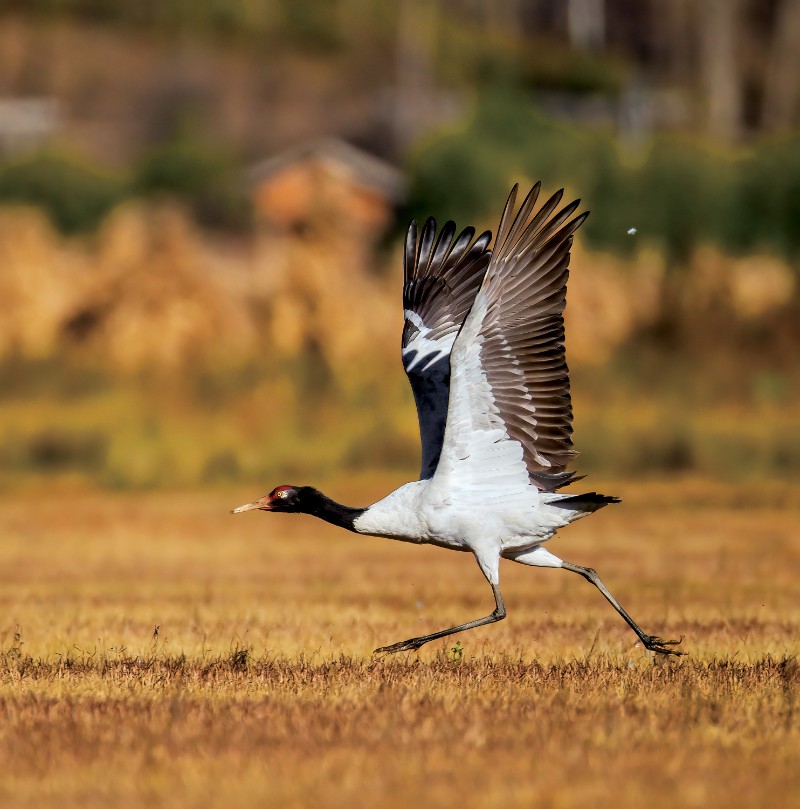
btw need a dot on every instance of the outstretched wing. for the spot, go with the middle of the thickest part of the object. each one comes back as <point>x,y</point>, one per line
<point>509,422</point>
<point>442,278</point>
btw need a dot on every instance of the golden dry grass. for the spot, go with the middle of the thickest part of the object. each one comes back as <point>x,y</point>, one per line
<point>260,689</point>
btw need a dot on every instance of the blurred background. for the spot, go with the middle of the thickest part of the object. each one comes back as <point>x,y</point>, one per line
<point>202,207</point>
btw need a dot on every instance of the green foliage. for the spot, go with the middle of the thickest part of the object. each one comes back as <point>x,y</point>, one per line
<point>304,21</point>
<point>310,23</point>
<point>455,654</point>
<point>149,433</point>
<point>204,178</point>
<point>565,70</point>
<point>477,55</point>
<point>76,195</point>
<point>676,192</point>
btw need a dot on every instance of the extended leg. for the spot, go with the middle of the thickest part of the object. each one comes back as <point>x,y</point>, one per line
<point>414,643</point>
<point>650,642</point>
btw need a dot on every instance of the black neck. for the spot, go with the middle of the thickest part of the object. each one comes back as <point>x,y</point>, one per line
<point>317,504</point>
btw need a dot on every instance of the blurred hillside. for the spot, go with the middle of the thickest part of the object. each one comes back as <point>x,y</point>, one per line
<point>259,74</point>
<point>200,209</point>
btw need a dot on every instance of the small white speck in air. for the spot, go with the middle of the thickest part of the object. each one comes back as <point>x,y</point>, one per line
<point>631,231</point>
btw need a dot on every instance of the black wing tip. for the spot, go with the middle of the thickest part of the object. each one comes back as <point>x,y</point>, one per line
<point>530,224</point>
<point>410,250</point>
<point>412,231</point>
<point>557,195</point>
<point>587,503</point>
<point>428,232</point>
<point>484,238</point>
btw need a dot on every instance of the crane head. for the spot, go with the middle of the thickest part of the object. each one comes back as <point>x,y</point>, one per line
<point>282,498</point>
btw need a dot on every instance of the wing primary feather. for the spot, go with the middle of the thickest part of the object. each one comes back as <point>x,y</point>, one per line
<point>410,252</point>
<point>507,217</point>
<point>522,217</point>
<point>461,244</point>
<point>518,334</point>
<point>565,233</point>
<point>558,220</point>
<point>426,244</point>
<point>533,226</point>
<point>443,245</point>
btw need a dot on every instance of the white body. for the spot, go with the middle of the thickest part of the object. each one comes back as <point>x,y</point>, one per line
<point>427,512</point>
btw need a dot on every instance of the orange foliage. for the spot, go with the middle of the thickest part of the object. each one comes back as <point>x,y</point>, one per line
<point>152,291</point>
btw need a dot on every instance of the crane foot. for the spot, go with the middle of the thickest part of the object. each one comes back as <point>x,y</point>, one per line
<point>410,645</point>
<point>655,644</point>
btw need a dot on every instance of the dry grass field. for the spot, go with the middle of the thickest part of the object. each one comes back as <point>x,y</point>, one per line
<point>156,651</point>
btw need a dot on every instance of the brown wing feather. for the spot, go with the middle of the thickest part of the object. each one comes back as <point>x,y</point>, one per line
<point>443,275</point>
<point>522,336</point>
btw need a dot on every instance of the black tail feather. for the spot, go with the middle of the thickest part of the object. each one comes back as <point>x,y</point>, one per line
<point>587,503</point>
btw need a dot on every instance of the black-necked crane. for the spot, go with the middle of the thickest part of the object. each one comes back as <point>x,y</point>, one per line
<point>483,348</point>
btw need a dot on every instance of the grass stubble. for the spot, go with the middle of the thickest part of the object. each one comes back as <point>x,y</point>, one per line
<point>157,652</point>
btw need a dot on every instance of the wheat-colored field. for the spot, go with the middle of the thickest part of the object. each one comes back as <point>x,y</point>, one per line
<point>158,652</point>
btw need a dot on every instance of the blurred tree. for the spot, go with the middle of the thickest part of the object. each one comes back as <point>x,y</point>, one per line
<point>76,194</point>
<point>205,178</point>
<point>721,68</point>
<point>586,23</point>
<point>417,25</point>
<point>678,192</point>
<point>782,90</point>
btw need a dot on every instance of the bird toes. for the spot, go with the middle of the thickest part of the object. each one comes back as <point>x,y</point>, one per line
<point>403,646</point>
<point>656,644</point>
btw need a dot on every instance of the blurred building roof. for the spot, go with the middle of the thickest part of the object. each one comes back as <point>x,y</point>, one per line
<point>326,180</point>
<point>338,156</point>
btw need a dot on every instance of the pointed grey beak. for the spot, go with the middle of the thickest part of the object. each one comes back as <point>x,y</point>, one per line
<point>245,507</point>
<point>262,503</point>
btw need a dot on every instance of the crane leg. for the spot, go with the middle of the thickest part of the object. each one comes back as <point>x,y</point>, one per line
<point>414,643</point>
<point>651,642</point>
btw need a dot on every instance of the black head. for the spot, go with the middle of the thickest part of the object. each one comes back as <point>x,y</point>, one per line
<point>306,500</point>
<point>281,498</point>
